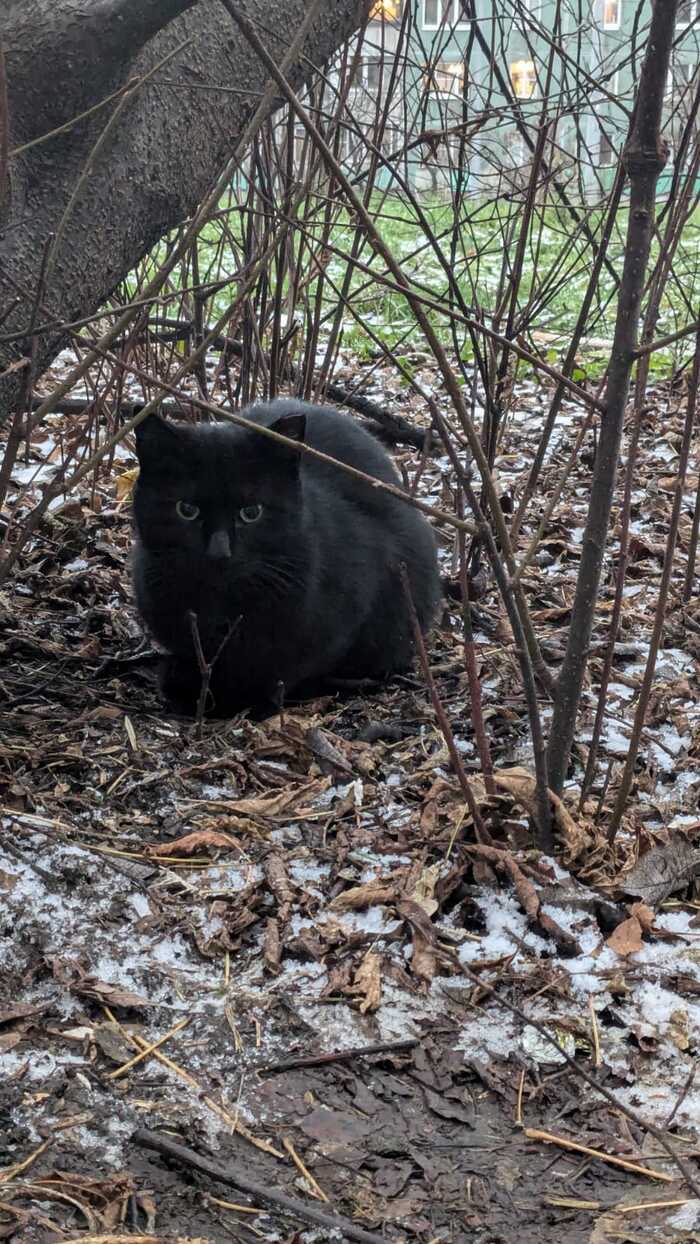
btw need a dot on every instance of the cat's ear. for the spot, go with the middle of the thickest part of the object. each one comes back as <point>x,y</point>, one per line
<point>293,426</point>
<point>157,442</point>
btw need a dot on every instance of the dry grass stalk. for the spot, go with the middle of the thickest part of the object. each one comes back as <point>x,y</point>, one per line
<point>314,1187</point>
<point>563,1142</point>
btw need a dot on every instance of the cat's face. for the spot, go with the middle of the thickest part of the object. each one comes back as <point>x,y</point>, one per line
<point>218,498</point>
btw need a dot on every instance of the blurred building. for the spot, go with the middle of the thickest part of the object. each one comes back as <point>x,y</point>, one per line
<point>458,94</point>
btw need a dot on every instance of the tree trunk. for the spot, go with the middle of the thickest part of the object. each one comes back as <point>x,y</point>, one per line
<point>62,58</point>
<point>644,157</point>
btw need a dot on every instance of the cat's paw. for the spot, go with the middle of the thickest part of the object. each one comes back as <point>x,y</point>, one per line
<point>180,684</point>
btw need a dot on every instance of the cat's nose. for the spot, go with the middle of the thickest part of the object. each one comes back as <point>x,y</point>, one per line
<point>219,546</point>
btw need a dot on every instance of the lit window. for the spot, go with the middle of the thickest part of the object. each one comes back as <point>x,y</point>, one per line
<point>385,11</point>
<point>611,14</point>
<point>606,155</point>
<point>686,12</point>
<point>522,76</point>
<point>446,78</point>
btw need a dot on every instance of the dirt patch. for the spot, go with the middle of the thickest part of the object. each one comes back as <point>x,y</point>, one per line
<point>281,889</point>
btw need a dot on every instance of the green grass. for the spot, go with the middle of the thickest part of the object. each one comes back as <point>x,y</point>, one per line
<point>556,270</point>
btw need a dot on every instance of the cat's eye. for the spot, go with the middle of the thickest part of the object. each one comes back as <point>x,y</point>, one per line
<point>187,510</point>
<point>250,513</point>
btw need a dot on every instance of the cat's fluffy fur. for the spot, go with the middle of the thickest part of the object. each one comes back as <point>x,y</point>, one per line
<point>312,584</point>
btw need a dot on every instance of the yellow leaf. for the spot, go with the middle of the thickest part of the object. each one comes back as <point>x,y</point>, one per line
<point>125,483</point>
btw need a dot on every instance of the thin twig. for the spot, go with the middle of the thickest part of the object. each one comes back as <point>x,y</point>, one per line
<point>659,1134</point>
<point>259,1192</point>
<point>660,614</point>
<point>683,1093</point>
<point>340,1056</point>
<point>206,668</point>
<point>482,834</point>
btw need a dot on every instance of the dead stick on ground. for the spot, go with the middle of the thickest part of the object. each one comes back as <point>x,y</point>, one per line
<point>341,1056</point>
<point>260,1192</point>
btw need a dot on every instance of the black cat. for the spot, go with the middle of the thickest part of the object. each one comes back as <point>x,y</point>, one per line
<point>298,557</point>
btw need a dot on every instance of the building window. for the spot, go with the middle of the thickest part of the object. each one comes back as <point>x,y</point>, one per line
<point>611,14</point>
<point>522,76</point>
<point>437,13</point>
<point>391,140</point>
<point>606,155</point>
<point>687,10</point>
<point>446,78</point>
<point>385,11</point>
<point>352,150</point>
<point>372,73</point>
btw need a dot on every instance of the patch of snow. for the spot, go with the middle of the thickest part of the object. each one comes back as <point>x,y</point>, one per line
<point>686,1217</point>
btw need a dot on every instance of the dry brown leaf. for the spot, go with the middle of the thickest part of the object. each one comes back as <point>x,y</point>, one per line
<point>8,1041</point>
<point>644,914</point>
<point>527,895</point>
<point>428,955</point>
<point>428,817</point>
<point>271,804</point>
<point>330,758</point>
<point>678,1029</point>
<point>367,982</point>
<point>424,890</point>
<point>520,785</point>
<point>124,483</point>
<point>110,1039</point>
<point>109,995</point>
<point>626,939</point>
<point>280,885</point>
<point>21,1010</point>
<point>663,870</point>
<point>373,894</point>
<point>272,946</point>
<point>189,843</point>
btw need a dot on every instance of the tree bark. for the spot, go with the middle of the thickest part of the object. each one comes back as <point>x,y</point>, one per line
<point>62,58</point>
<point>644,157</point>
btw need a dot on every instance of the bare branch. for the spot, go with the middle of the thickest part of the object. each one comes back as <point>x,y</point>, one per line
<point>644,158</point>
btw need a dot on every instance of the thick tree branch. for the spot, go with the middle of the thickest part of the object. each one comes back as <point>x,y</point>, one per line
<point>74,46</point>
<point>160,157</point>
